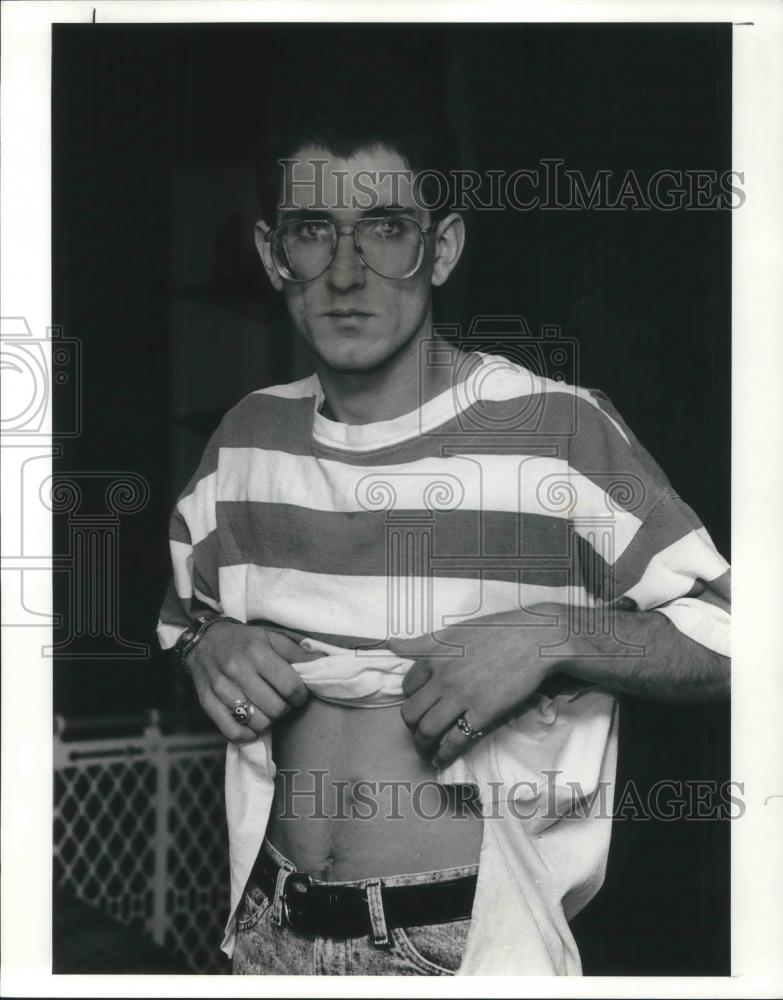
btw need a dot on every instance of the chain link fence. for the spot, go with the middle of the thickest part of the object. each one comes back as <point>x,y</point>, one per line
<point>140,835</point>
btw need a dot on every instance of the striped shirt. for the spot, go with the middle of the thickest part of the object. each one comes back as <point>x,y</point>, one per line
<point>505,491</point>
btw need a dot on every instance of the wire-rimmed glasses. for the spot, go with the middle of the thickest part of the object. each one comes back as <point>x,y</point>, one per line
<point>390,245</point>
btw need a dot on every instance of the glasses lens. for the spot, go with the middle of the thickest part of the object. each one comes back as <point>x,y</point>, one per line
<point>390,246</point>
<point>304,249</point>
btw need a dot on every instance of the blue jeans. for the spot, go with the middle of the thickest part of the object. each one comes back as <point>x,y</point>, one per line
<point>267,948</point>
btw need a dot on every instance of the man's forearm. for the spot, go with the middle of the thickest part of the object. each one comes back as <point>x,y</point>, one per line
<point>639,652</point>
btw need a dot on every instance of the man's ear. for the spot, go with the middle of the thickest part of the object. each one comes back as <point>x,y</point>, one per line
<point>449,241</point>
<point>265,253</point>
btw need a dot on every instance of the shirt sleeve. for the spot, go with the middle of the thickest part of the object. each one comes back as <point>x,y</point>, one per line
<point>665,560</point>
<point>194,587</point>
<point>673,567</point>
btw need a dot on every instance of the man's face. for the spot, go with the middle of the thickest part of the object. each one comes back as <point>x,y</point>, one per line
<point>352,318</point>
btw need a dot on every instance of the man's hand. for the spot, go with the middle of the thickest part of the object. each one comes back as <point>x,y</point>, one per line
<point>234,662</point>
<point>506,657</point>
<point>488,680</point>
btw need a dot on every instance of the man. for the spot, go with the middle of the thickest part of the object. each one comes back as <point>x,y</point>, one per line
<point>394,567</point>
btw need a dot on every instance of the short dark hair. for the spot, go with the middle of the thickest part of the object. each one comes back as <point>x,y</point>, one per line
<point>382,106</point>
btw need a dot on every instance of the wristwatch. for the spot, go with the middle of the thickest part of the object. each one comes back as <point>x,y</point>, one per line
<point>194,633</point>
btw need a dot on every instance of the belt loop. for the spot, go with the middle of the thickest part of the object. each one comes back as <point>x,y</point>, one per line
<point>277,903</point>
<point>380,932</point>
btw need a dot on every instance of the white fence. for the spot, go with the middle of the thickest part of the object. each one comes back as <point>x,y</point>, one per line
<point>139,832</point>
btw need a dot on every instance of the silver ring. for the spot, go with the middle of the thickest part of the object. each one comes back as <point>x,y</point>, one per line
<point>243,710</point>
<point>467,730</point>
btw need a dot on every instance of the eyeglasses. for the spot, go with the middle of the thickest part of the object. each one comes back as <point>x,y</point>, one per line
<point>391,246</point>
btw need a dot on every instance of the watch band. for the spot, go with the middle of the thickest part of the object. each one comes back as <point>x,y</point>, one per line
<point>194,633</point>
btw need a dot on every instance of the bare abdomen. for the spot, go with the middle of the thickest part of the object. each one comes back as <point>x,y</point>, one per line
<point>354,799</point>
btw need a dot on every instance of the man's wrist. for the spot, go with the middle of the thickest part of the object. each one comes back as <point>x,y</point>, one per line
<point>194,633</point>
<point>563,640</point>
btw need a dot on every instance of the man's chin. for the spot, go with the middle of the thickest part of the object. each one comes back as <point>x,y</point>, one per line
<point>354,358</point>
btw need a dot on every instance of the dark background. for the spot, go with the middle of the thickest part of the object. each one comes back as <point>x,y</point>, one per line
<point>155,273</point>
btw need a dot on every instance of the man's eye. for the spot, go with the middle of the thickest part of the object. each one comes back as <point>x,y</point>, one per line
<point>386,228</point>
<point>311,229</point>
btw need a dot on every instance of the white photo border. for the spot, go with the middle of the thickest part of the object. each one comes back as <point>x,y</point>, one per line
<point>757,488</point>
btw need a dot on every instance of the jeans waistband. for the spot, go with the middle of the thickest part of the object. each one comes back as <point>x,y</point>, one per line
<point>355,907</point>
<point>411,878</point>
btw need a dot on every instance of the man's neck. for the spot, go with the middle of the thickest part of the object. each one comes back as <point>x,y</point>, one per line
<point>399,386</point>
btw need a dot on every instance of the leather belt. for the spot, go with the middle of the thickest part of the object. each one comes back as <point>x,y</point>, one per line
<point>337,911</point>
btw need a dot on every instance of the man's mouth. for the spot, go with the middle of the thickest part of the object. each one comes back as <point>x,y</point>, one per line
<point>348,313</point>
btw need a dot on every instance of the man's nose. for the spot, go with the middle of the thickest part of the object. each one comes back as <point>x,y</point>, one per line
<point>346,270</point>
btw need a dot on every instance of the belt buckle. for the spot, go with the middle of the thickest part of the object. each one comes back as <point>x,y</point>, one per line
<point>299,879</point>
